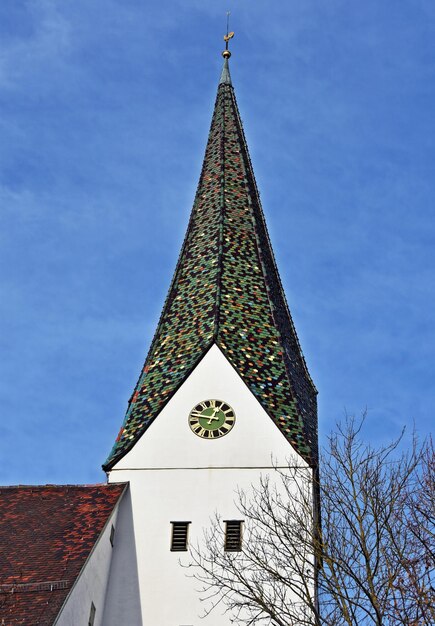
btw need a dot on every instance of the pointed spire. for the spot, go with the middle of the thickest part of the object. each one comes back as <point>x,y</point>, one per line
<point>227,291</point>
<point>225,75</point>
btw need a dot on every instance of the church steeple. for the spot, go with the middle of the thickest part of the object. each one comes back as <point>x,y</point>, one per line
<point>226,290</point>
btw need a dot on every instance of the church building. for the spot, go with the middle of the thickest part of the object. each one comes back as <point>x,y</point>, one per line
<point>224,395</point>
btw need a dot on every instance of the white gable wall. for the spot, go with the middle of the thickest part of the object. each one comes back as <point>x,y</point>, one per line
<point>91,583</point>
<point>170,443</point>
<point>175,475</point>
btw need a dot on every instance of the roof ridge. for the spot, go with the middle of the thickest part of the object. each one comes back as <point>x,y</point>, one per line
<point>221,224</point>
<point>104,485</point>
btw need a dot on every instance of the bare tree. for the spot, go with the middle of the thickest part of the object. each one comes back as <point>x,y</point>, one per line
<point>369,562</point>
<point>415,586</point>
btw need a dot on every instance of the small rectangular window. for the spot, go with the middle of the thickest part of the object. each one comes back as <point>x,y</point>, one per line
<point>112,535</point>
<point>233,535</point>
<point>179,536</point>
<point>92,615</point>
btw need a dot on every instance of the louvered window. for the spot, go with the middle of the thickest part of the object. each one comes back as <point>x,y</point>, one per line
<point>92,615</point>
<point>179,536</point>
<point>233,535</point>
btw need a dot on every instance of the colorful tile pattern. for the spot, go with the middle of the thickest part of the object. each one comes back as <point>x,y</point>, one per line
<point>226,290</point>
<point>46,534</point>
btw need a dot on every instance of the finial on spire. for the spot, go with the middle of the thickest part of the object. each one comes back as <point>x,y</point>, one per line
<point>226,53</point>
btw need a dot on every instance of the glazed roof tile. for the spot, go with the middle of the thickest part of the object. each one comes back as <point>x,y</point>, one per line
<point>46,535</point>
<point>226,290</point>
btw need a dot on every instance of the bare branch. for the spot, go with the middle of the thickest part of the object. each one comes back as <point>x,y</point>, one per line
<point>371,562</point>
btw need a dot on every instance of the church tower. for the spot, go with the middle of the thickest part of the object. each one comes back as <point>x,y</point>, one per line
<point>224,390</point>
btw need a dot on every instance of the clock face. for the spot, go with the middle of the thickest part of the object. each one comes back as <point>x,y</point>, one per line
<point>211,419</point>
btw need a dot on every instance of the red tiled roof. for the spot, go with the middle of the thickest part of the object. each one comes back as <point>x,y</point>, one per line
<point>46,535</point>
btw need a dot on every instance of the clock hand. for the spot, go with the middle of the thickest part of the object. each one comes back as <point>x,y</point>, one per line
<point>213,417</point>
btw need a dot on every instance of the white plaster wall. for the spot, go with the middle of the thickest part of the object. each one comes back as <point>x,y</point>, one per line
<point>176,476</point>
<point>123,598</point>
<point>168,596</point>
<point>91,584</point>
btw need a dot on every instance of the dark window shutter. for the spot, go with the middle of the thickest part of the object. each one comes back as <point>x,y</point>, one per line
<point>233,535</point>
<point>179,536</point>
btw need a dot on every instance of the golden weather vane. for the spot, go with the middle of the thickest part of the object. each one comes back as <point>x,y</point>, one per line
<point>226,53</point>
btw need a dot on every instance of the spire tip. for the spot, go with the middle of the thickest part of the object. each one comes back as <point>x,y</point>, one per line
<point>225,76</point>
<point>226,53</point>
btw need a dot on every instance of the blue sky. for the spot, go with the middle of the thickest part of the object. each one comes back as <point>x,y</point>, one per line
<point>104,114</point>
